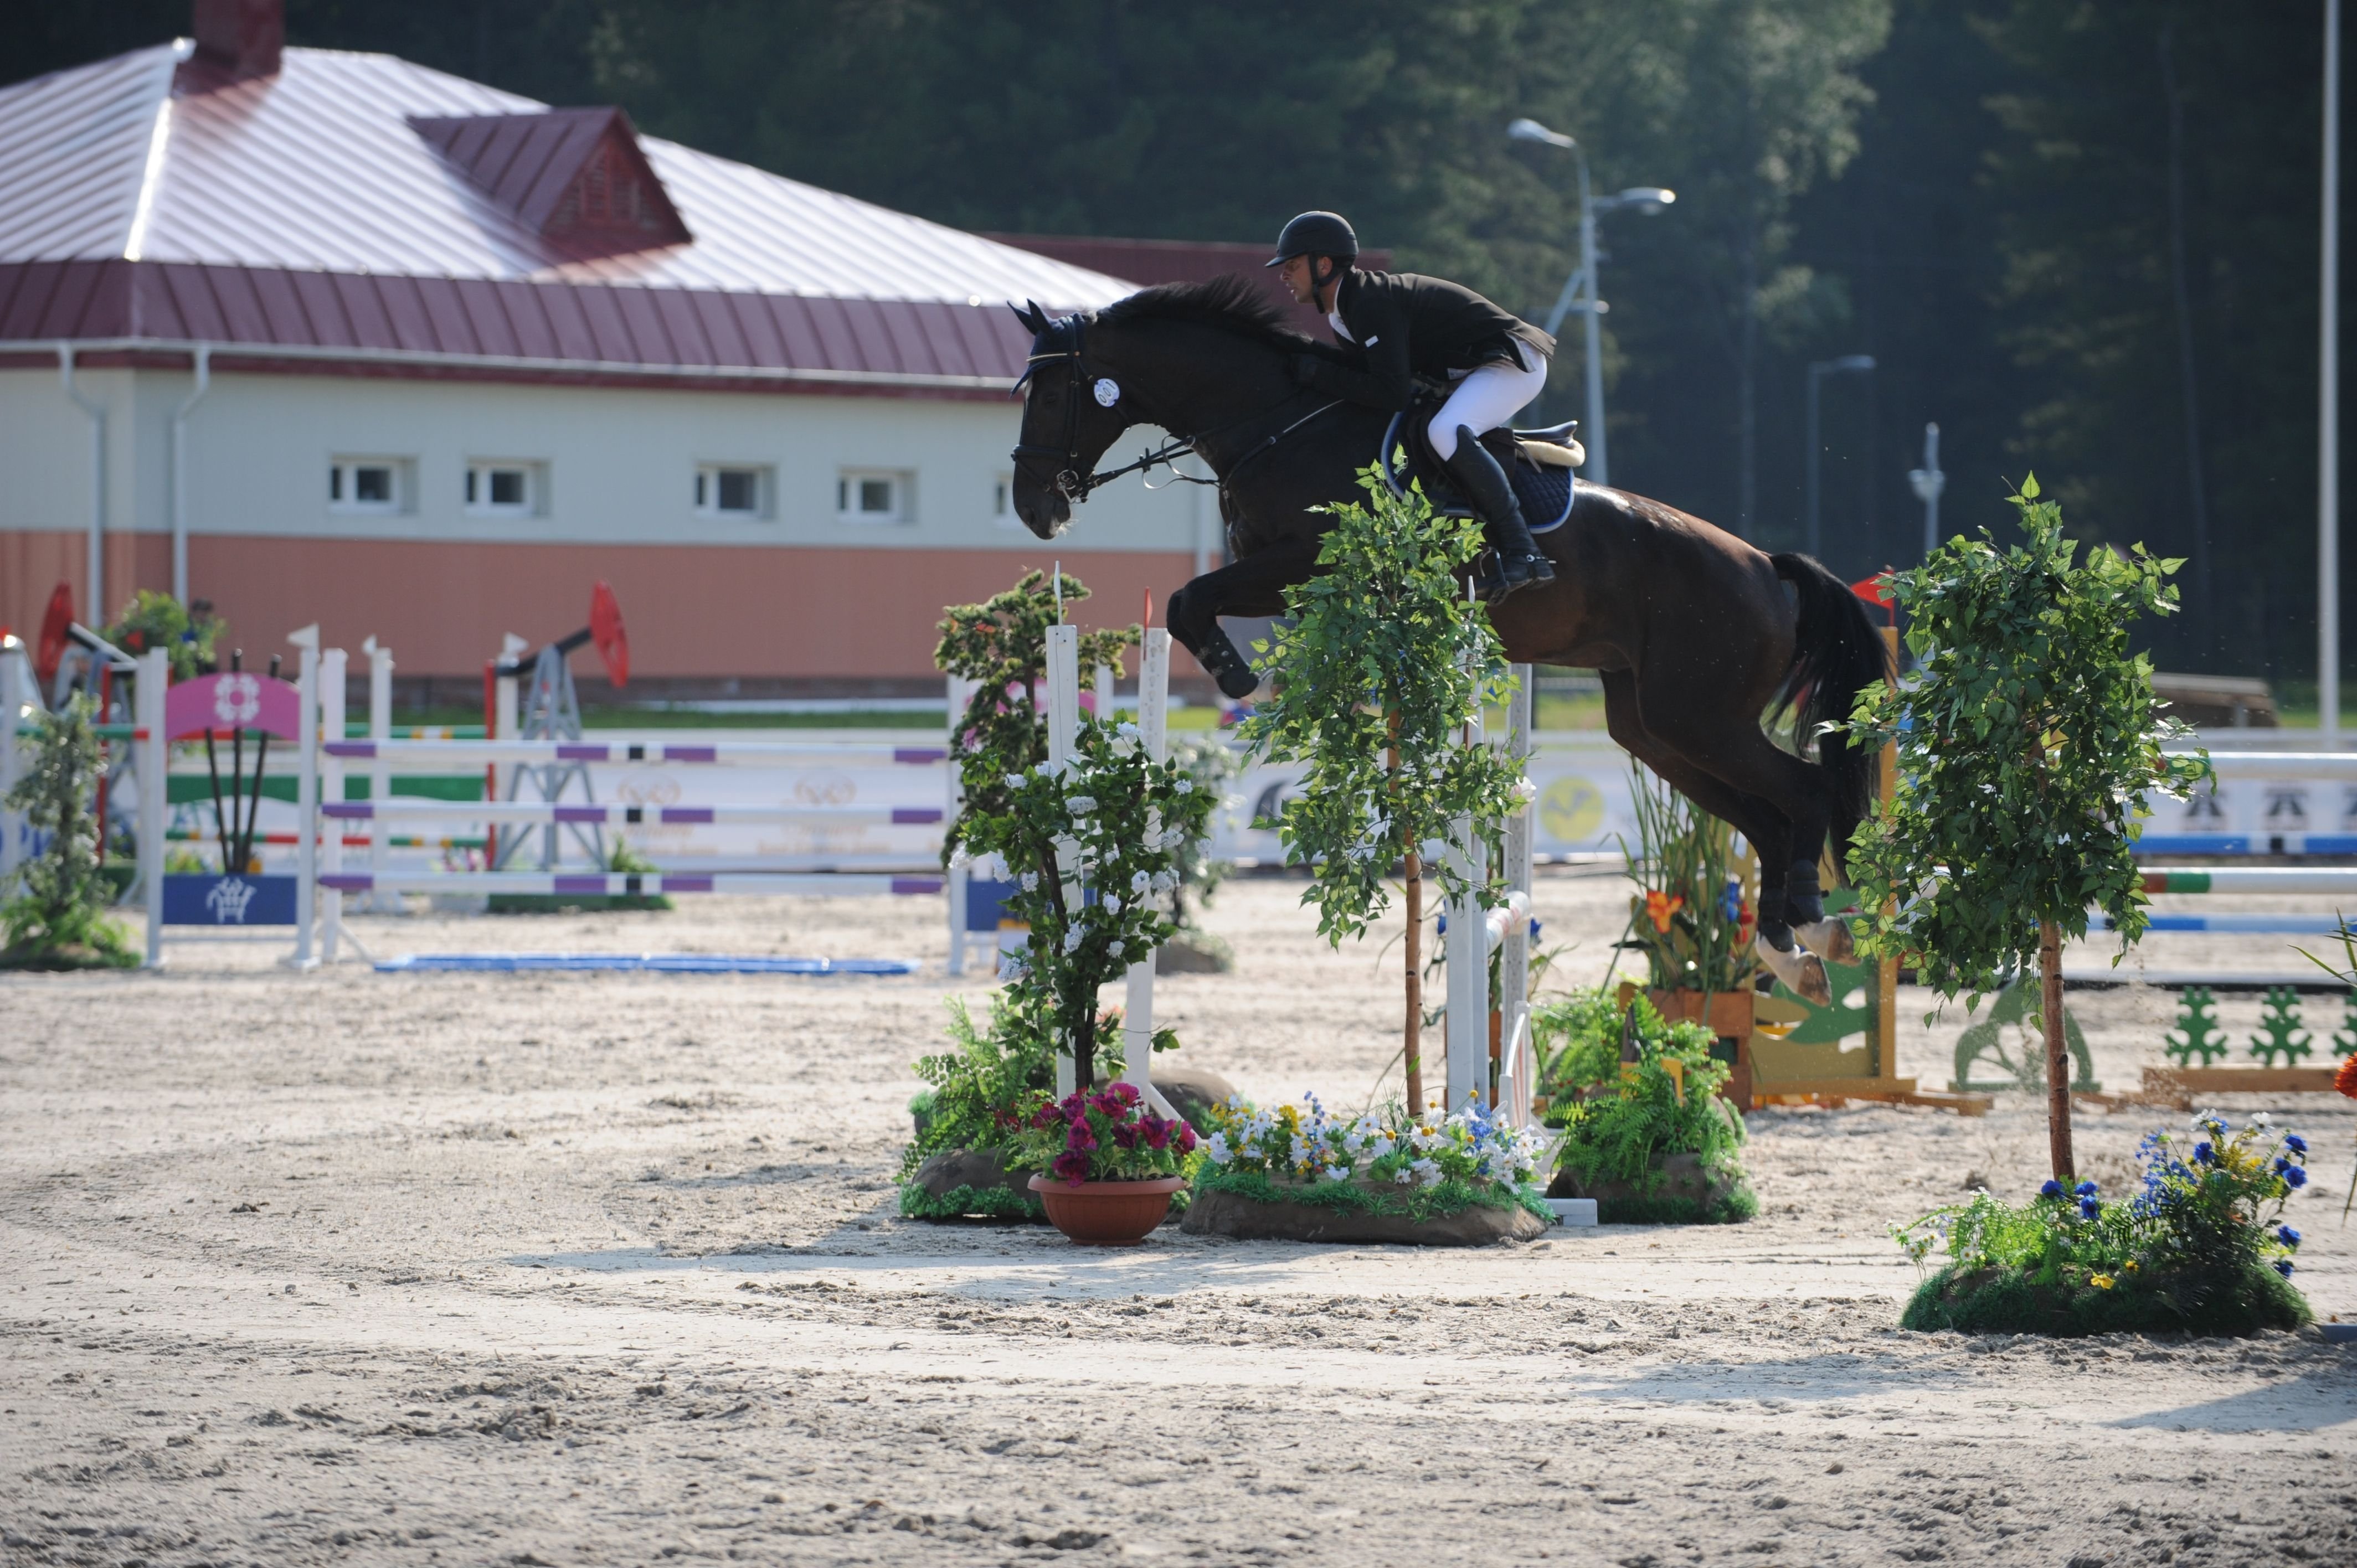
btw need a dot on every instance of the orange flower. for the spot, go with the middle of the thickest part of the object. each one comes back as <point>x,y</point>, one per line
<point>1660,907</point>
<point>2346,1080</point>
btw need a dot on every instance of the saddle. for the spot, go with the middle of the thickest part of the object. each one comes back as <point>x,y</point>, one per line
<point>1538,463</point>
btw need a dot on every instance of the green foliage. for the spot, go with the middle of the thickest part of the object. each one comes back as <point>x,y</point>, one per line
<point>2344,1038</point>
<point>1577,1038</point>
<point>1002,645</point>
<point>2280,1034</point>
<point>2194,1249</point>
<point>1384,655</point>
<point>60,919</point>
<point>979,1083</point>
<point>969,1202</point>
<point>154,619</point>
<point>1694,910</point>
<point>2028,747</point>
<point>2197,1032</point>
<point>1637,1114</point>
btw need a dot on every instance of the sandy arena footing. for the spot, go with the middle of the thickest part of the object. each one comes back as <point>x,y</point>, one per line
<point>606,1269</point>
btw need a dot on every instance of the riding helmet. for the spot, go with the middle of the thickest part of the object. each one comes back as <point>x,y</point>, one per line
<point>1315,234</point>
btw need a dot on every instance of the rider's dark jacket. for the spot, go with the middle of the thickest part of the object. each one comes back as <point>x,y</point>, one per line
<point>1403,326</point>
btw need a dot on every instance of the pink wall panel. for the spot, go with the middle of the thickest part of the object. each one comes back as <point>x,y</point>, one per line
<point>704,610</point>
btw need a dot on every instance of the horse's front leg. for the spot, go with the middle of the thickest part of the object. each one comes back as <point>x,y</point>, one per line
<point>1254,586</point>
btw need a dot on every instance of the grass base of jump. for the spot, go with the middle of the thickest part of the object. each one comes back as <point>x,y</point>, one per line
<point>574,903</point>
<point>66,958</point>
<point>2012,1301</point>
<point>1731,1208</point>
<point>1248,1206</point>
<point>996,1203</point>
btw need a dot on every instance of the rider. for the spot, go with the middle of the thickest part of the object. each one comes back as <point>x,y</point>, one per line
<point>1400,326</point>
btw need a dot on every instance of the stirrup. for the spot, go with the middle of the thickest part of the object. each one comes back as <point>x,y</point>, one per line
<point>1508,575</point>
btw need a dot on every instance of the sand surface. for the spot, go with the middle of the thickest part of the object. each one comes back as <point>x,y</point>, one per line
<point>360,1268</point>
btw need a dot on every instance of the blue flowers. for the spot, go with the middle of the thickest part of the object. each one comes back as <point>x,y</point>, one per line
<point>2283,1267</point>
<point>2287,1236</point>
<point>2091,1207</point>
<point>2296,1144</point>
<point>2203,1153</point>
<point>2084,1190</point>
<point>2294,1177</point>
<point>2050,1190</point>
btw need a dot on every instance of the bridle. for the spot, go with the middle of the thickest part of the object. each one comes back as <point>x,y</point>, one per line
<point>1061,342</point>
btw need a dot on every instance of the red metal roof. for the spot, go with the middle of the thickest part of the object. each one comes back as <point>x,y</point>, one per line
<point>358,207</point>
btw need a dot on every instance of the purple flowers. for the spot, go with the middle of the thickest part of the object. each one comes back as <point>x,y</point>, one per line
<point>1105,1134</point>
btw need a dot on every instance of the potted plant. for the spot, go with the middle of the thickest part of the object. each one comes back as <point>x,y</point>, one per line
<point>1644,1130</point>
<point>1107,1164</point>
<point>1298,1173</point>
<point>58,916</point>
<point>1691,918</point>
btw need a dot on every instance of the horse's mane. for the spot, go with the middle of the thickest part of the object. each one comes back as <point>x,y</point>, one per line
<point>1230,301</point>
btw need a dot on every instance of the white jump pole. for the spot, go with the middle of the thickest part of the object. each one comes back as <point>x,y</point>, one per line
<point>306,795</point>
<point>1468,946</point>
<point>154,754</point>
<point>503,726</point>
<point>1063,730</point>
<point>958,693</point>
<point>1154,732</point>
<point>333,667</point>
<point>1514,1072</point>
<point>379,770</point>
<point>19,697</point>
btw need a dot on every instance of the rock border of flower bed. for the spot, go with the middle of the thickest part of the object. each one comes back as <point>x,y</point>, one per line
<point>970,1184</point>
<point>1683,1192</point>
<point>1247,1206</point>
<point>1997,1300</point>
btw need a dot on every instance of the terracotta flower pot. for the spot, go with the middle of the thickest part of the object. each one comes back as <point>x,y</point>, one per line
<point>1106,1213</point>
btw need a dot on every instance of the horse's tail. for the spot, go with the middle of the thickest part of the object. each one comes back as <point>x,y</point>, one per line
<point>1836,652</point>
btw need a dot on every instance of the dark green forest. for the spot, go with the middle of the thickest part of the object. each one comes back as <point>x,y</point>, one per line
<point>2081,236</point>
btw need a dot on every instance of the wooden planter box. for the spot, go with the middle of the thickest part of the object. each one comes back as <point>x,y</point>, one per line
<point>1730,1018</point>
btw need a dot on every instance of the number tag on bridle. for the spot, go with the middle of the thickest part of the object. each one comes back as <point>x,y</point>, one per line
<point>1108,392</point>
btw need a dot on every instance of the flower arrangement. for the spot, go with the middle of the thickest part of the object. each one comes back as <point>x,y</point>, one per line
<point>1695,903</point>
<point>154,619</point>
<point>1622,1121</point>
<point>2201,1247</point>
<point>1386,1163</point>
<point>57,917</point>
<point>1103,1134</point>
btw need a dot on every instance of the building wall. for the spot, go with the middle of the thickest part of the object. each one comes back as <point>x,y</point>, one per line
<point>798,593</point>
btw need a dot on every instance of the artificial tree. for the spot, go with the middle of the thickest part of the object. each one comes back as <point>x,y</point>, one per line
<point>1383,666</point>
<point>2029,745</point>
<point>58,919</point>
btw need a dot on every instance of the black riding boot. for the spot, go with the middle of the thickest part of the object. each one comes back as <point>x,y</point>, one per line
<point>1485,486</point>
<point>1236,678</point>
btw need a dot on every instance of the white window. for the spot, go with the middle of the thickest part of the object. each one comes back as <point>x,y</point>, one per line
<point>369,485</point>
<point>500,488</point>
<point>874,495</point>
<point>729,489</point>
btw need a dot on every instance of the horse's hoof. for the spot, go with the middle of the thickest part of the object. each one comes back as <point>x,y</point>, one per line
<point>1802,972</point>
<point>1829,940</point>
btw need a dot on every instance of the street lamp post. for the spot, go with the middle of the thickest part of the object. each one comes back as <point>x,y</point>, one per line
<point>1929,482</point>
<point>1648,199</point>
<point>1818,370</point>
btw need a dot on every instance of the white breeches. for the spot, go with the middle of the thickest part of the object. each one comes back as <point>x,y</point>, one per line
<point>1489,397</point>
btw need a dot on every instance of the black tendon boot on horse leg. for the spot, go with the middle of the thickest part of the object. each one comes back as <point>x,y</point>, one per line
<point>1520,562</point>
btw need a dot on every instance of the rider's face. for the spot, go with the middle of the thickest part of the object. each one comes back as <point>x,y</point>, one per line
<point>1295,270</point>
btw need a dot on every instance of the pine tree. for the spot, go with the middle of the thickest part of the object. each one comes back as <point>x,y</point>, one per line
<point>2280,1030</point>
<point>2197,1032</point>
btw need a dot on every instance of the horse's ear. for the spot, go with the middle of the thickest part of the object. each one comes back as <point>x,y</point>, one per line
<point>1031,315</point>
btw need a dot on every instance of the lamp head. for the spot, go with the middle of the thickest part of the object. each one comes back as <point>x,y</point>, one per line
<point>1528,130</point>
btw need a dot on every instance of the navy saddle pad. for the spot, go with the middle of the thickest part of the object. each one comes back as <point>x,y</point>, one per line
<point>1545,489</point>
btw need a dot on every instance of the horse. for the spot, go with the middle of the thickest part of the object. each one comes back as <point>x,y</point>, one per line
<point>1697,635</point>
